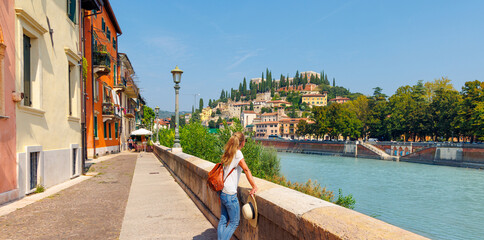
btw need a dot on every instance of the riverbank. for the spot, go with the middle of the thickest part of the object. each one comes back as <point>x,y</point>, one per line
<point>455,155</point>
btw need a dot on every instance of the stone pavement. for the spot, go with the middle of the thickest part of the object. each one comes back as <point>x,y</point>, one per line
<point>158,208</point>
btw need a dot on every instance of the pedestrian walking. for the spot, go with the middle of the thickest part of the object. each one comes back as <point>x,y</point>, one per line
<point>230,208</point>
<point>130,144</point>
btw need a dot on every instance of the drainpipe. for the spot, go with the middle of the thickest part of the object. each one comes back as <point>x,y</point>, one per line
<point>120,130</point>
<point>83,94</point>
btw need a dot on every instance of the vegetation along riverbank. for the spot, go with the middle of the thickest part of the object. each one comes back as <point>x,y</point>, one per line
<point>263,162</point>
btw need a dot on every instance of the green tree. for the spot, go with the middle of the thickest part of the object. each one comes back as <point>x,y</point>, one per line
<point>244,87</point>
<point>444,113</point>
<point>321,123</point>
<point>148,117</point>
<point>200,106</point>
<point>471,114</point>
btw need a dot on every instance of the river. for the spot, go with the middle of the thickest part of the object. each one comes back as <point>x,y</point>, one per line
<point>438,202</point>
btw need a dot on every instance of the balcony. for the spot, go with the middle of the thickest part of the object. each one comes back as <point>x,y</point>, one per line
<point>131,89</point>
<point>120,84</point>
<point>109,111</point>
<point>130,113</point>
<point>101,61</point>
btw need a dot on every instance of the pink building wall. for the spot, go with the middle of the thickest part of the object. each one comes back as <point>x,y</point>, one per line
<point>8,166</point>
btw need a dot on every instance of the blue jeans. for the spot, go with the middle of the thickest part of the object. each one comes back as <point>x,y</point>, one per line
<point>230,209</point>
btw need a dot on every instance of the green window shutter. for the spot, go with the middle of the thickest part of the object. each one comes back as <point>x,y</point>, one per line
<point>109,128</point>
<point>95,126</point>
<point>71,10</point>
<point>105,130</point>
<point>27,80</point>
<point>103,25</point>
<point>116,129</point>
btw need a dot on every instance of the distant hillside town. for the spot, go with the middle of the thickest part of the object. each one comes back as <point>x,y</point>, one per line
<point>269,108</point>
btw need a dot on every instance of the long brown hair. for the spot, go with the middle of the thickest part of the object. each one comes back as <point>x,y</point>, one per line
<point>231,148</point>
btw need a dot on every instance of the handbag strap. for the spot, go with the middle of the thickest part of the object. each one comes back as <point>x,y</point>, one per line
<point>229,173</point>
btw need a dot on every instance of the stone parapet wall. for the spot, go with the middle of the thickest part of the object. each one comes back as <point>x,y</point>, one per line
<point>283,213</point>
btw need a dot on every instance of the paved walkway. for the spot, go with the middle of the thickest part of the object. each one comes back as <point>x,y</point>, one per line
<point>132,197</point>
<point>92,209</point>
<point>158,208</point>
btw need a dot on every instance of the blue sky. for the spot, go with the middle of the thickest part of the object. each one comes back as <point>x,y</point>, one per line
<point>362,44</point>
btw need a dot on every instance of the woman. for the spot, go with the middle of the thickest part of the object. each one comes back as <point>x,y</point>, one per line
<point>230,208</point>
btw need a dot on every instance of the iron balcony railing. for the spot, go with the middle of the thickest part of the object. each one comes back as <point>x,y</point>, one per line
<point>110,110</point>
<point>102,56</point>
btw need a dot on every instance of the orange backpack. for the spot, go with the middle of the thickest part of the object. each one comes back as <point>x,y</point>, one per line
<point>215,179</point>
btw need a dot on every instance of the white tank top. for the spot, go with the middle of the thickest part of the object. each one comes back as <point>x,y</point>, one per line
<point>232,181</point>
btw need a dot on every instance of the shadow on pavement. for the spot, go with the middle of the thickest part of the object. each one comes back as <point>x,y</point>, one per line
<point>207,234</point>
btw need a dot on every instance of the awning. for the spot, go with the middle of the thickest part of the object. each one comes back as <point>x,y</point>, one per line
<point>141,132</point>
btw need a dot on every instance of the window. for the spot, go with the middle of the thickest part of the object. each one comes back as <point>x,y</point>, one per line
<point>70,88</point>
<point>103,25</point>
<point>116,129</point>
<point>109,129</point>
<point>108,35</point>
<point>105,130</point>
<point>34,163</point>
<point>114,43</point>
<point>95,126</point>
<point>71,10</point>
<point>27,79</point>
<point>107,94</point>
<point>74,160</point>
<point>115,79</point>
<point>96,90</point>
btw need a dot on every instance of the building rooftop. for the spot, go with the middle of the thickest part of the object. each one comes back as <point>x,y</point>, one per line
<point>269,122</point>
<point>339,98</point>
<point>313,95</point>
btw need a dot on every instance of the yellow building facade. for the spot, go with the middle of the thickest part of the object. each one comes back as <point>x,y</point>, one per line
<point>47,70</point>
<point>315,99</point>
<point>206,114</point>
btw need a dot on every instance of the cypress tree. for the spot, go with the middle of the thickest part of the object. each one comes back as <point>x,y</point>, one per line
<point>244,88</point>
<point>201,104</point>
<point>334,82</point>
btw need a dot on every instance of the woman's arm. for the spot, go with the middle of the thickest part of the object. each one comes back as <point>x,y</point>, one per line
<point>248,174</point>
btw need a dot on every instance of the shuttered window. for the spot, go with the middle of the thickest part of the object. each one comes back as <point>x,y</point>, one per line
<point>109,129</point>
<point>27,79</point>
<point>116,129</point>
<point>105,130</point>
<point>103,25</point>
<point>95,126</point>
<point>71,10</point>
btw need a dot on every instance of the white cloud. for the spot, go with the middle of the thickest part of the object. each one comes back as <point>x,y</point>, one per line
<point>241,59</point>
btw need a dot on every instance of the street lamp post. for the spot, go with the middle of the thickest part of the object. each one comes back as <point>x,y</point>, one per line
<point>157,126</point>
<point>176,78</point>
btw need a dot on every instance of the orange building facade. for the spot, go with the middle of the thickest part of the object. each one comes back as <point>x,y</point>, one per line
<point>103,105</point>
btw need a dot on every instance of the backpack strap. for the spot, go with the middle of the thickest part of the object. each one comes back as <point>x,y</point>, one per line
<point>229,173</point>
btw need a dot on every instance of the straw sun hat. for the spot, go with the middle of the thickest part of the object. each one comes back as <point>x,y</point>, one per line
<point>249,210</point>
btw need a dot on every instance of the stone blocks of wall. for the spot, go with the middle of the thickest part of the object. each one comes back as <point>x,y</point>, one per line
<point>283,213</point>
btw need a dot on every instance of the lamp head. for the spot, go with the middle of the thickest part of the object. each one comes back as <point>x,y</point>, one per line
<point>176,74</point>
<point>157,109</point>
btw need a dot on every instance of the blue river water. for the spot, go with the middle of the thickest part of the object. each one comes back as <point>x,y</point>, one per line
<point>438,202</point>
